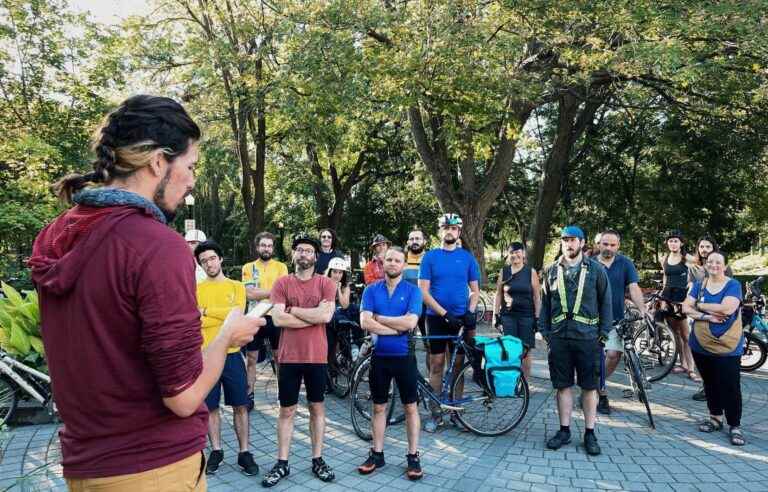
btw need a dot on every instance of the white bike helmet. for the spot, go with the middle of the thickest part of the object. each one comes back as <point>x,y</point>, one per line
<point>449,220</point>
<point>338,264</point>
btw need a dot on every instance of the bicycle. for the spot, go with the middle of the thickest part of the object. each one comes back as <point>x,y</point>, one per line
<point>755,328</point>
<point>466,396</point>
<point>341,365</point>
<point>654,340</point>
<point>632,364</point>
<point>19,381</point>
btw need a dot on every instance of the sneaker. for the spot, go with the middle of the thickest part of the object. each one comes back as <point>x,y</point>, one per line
<point>245,460</point>
<point>214,460</point>
<point>558,440</point>
<point>321,470</point>
<point>251,401</point>
<point>700,395</point>
<point>603,406</point>
<point>590,444</point>
<point>413,471</point>
<point>277,473</point>
<point>375,460</point>
<point>431,425</point>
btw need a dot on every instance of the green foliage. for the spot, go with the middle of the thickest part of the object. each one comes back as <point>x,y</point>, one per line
<point>20,325</point>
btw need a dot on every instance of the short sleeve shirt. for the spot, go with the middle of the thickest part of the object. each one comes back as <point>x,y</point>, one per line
<point>268,272</point>
<point>731,289</point>
<point>449,274</point>
<point>307,345</point>
<point>405,299</point>
<point>621,273</point>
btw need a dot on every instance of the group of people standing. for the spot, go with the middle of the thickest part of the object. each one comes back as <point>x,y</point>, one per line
<point>140,353</point>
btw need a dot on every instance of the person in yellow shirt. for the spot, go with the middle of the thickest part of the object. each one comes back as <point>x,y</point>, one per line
<point>216,297</point>
<point>259,276</point>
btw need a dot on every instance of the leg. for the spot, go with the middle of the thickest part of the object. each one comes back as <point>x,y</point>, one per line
<point>711,379</point>
<point>730,380</point>
<point>240,415</point>
<point>612,359</point>
<point>527,362</point>
<point>253,361</point>
<point>288,385</point>
<point>413,426</point>
<point>379,424</point>
<point>285,431</point>
<point>564,406</point>
<point>589,402</point>
<point>214,428</point>
<point>317,427</point>
<point>686,357</point>
<point>436,367</point>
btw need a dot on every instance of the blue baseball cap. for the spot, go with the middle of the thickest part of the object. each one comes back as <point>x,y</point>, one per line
<point>572,231</point>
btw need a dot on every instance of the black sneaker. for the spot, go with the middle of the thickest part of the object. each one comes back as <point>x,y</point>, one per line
<point>700,395</point>
<point>321,470</point>
<point>214,460</point>
<point>277,473</point>
<point>603,406</point>
<point>375,460</point>
<point>413,471</point>
<point>558,440</point>
<point>590,444</point>
<point>251,401</point>
<point>245,460</point>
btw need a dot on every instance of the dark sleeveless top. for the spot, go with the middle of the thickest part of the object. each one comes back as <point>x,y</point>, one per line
<point>518,287</point>
<point>676,281</point>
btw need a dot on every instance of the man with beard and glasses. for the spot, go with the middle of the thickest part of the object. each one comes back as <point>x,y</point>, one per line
<point>415,250</point>
<point>446,277</point>
<point>259,277</point>
<point>117,289</point>
<point>302,304</point>
<point>329,248</point>
<point>622,275</point>
<point>217,296</point>
<point>391,309</point>
<point>575,319</point>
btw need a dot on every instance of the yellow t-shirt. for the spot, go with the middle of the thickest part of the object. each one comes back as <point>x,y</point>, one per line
<point>218,298</point>
<point>269,272</point>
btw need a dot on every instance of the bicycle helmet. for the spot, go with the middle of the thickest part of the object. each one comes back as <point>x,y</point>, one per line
<point>304,238</point>
<point>673,233</point>
<point>338,264</point>
<point>450,220</point>
<point>379,239</point>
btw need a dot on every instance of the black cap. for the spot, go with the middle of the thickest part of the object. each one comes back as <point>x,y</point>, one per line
<point>516,246</point>
<point>304,238</point>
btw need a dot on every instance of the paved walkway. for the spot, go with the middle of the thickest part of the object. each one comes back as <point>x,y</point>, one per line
<point>673,457</point>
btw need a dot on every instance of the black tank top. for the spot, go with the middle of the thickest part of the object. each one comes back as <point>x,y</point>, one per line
<point>518,287</point>
<point>676,277</point>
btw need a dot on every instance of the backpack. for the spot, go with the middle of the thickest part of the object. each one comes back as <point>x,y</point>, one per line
<point>502,357</point>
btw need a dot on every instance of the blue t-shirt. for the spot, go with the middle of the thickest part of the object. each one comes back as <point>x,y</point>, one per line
<point>621,273</point>
<point>406,299</point>
<point>449,274</point>
<point>731,289</point>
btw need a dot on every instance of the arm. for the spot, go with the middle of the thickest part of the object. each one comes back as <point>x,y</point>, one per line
<point>398,323</point>
<point>545,313</point>
<point>499,293</point>
<point>255,294</point>
<point>317,315</point>
<point>474,296</point>
<point>604,304</point>
<point>536,287</point>
<point>367,322</point>
<point>369,276</point>
<point>217,313</point>
<point>286,320</point>
<point>726,308</point>
<point>429,300</point>
<point>344,296</point>
<point>637,297</point>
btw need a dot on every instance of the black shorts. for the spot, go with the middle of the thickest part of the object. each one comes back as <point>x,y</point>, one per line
<point>402,369</point>
<point>267,332</point>
<point>289,380</point>
<point>234,381</point>
<point>520,327</point>
<point>567,356</point>
<point>436,325</point>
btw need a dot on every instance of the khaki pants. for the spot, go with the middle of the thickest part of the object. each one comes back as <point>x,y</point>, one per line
<point>187,475</point>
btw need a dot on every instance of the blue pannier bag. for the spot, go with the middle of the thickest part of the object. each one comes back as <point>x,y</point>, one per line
<point>502,357</point>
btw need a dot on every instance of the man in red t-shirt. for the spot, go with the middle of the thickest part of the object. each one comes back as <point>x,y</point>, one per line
<point>302,304</point>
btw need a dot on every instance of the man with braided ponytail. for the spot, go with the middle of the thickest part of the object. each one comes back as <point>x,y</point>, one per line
<point>120,322</point>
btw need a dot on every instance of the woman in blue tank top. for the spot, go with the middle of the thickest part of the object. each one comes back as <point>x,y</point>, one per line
<point>518,298</point>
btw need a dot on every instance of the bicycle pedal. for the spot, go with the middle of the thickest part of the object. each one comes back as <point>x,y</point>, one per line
<point>628,393</point>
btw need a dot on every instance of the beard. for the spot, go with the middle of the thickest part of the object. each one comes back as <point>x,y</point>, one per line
<point>213,273</point>
<point>607,254</point>
<point>392,275</point>
<point>265,256</point>
<point>572,253</point>
<point>305,264</point>
<point>416,248</point>
<point>159,197</point>
<point>449,239</point>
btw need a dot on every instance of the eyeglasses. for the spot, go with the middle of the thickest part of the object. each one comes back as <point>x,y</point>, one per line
<point>303,251</point>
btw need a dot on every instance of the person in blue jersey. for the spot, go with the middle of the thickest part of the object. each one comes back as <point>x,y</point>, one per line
<point>447,276</point>
<point>390,309</point>
<point>414,252</point>
<point>717,343</point>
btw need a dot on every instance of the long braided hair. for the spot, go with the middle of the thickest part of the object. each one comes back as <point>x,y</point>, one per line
<point>129,138</point>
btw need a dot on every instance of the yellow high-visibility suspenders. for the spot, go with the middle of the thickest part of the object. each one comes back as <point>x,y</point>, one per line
<point>564,298</point>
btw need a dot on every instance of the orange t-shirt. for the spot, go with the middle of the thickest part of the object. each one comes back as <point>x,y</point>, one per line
<point>307,345</point>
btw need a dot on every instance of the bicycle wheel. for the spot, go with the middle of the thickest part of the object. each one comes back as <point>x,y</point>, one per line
<point>8,400</point>
<point>754,353</point>
<point>361,400</point>
<point>638,381</point>
<point>482,413</point>
<point>656,349</point>
<point>339,374</point>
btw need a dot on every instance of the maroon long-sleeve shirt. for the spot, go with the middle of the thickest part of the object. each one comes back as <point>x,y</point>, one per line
<point>121,331</point>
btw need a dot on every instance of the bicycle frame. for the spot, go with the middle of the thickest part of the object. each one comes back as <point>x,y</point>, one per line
<point>7,365</point>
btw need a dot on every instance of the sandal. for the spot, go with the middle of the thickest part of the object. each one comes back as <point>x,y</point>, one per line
<point>737,437</point>
<point>711,425</point>
<point>694,377</point>
<point>678,370</point>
